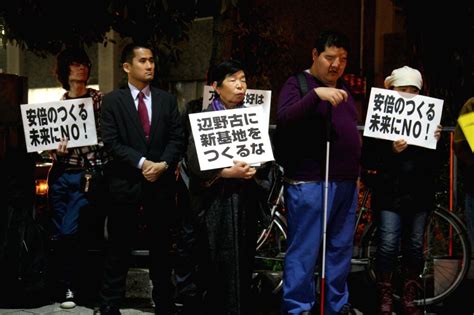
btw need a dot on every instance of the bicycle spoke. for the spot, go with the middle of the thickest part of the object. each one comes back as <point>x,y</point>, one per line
<point>447,257</point>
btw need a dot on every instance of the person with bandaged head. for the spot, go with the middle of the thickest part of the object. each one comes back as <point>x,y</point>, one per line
<point>403,193</point>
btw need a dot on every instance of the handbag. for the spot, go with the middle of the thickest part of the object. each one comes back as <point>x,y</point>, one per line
<point>92,181</point>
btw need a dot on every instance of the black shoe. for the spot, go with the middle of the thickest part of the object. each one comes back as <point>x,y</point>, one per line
<point>191,305</point>
<point>169,310</point>
<point>68,301</point>
<point>347,310</point>
<point>109,310</point>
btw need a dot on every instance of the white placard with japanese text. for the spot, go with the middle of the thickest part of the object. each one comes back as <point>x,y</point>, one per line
<point>395,115</point>
<point>222,137</point>
<point>44,124</point>
<point>252,98</point>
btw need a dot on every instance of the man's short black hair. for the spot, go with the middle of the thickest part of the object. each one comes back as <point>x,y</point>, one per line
<point>329,38</point>
<point>128,51</point>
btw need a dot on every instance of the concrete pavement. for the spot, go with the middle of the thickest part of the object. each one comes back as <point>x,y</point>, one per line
<point>137,300</point>
<point>362,297</point>
<point>56,310</point>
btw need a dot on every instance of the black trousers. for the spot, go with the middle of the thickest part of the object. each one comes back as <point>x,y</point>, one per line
<point>124,224</point>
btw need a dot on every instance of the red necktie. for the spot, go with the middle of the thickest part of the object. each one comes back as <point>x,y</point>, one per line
<point>143,113</point>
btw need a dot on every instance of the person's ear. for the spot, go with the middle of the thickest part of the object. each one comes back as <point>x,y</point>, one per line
<point>126,67</point>
<point>214,86</point>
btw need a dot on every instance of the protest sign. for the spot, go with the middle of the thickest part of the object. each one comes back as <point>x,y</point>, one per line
<point>466,122</point>
<point>395,115</point>
<point>222,137</point>
<point>252,98</point>
<point>45,124</point>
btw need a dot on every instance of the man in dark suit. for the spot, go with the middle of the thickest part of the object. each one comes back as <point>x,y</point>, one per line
<point>143,134</point>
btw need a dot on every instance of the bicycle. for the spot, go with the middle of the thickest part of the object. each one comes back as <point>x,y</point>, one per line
<point>447,252</point>
<point>271,239</point>
<point>447,247</point>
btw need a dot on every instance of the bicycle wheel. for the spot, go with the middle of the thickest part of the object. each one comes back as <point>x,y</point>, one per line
<point>447,253</point>
<point>271,248</point>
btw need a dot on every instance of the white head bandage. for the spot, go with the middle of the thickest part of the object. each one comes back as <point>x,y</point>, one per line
<point>404,76</point>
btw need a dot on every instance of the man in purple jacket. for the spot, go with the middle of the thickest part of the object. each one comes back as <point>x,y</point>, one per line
<point>306,124</point>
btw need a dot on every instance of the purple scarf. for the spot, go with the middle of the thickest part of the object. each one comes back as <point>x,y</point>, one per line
<point>217,104</point>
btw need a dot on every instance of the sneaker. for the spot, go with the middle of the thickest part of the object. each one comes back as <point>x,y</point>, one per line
<point>69,301</point>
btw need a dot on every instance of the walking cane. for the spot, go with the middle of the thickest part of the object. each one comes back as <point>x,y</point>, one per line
<point>326,188</point>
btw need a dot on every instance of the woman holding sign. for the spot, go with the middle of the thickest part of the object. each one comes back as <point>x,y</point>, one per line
<point>225,203</point>
<point>402,198</point>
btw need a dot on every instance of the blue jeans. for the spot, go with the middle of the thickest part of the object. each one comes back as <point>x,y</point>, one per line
<point>395,228</point>
<point>305,204</point>
<point>66,201</point>
<point>469,212</point>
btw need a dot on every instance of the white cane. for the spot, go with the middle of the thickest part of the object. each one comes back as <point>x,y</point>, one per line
<point>326,188</point>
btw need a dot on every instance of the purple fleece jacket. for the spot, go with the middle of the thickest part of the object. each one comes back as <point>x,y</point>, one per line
<point>301,137</point>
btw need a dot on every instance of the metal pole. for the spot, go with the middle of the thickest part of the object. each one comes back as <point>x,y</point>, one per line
<point>326,189</point>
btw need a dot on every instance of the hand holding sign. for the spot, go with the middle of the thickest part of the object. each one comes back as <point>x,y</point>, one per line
<point>62,149</point>
<point>399,145</point>
<point>240,169</point>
